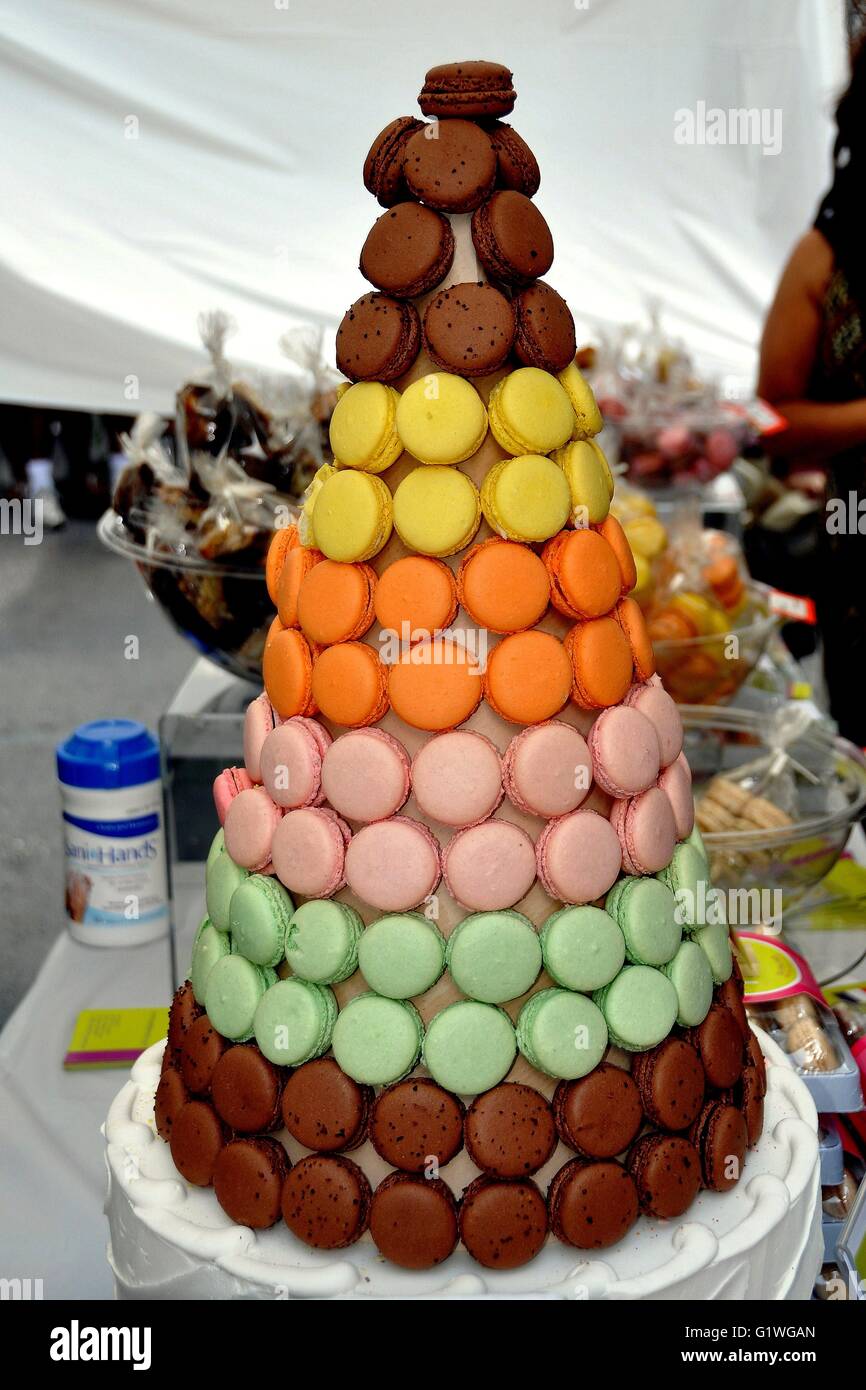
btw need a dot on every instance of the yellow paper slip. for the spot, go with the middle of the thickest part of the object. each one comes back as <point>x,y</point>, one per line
<point>113,1037</point>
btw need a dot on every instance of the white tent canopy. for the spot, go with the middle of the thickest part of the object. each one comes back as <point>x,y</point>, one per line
<point>162,157</point>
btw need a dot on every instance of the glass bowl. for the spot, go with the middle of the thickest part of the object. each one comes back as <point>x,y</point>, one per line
<point>224,612</point>
<point>787,861</point>
<point>710,670</point>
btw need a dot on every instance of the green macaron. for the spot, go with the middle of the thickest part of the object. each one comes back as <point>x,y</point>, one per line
<point>322,941</point>
<point>639,1006</point>
<point>470,1047</point>
<point>561,1033</point>
<point>646,913</point>
<point>696,840</point>
<point>377,1040</point>
<point>294,1021</point>
<point>690,974</point>
<point>583,948</point>
<point>259,916</point>
<point>234,988</point>
<point>401,955</point>
<point>714,940</point>
<point>494,956</point>
<point>688,879</point>
<point>209,946</point>
<point>222,877</point>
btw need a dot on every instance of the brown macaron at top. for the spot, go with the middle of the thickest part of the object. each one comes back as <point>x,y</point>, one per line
<point>599,1114</point>
<point>545,329</point>
<point>326,1201</point>
<point>408,250</point>
<point>512,238</point>
<point>502,1224</point>
<point>667,1172</point>
<point>202,1048</point>
<point>324,1109</point>
<point>472,89</point>
<point>516,165</point>
<point>413,1220</point>
<point>721,1138</point>
<point>378,339</point>
<point>731,995</point>
<point>671,1082</point>
<point>720,1046</point>
<point>510,1131</point>
<point>248,1181</point>
<point>197,1136</point>
<point>469,329</point>
<point>450,166</point>
<point>245,1089</point>
<point>171,1097</point>
<point>755,1058</point>
<point>182,1015</point>
<point>748,1097</point>
<point>383,167</point>
<point>592,1205</point>
<point>416,1120</point>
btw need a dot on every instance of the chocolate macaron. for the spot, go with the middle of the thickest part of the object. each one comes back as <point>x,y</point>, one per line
<point>510,1131</point>
<point>326,1201</point>
<point>469,329</point>
<point>413,1220</point>
<point>171,1096</point>
<point>324,1109</point>
<point>600,1114</point>
<point>416,1121</point>
<point>667,1173</point>
<point>450,166</point>
<point>197,1136</point>
<point>383,167</point>
<point>720,1136</point>
<point>748,1097</point>
<point>202,1048</point>
<point>245,1090</point>
<point>408,251</point>
<point>502,1224</point>
<point>720,1047</point>
<point>378,339</point>
<point>755,1058</point>
<point>592,1205</point>
<point>512,238</point>
<point>248,1181</point>
<point>545,329</point>
<point>731,995</point>
<point>470,89</point>
<point>516,165</point>
<point>671,1082</point>
<point>181,1016</point>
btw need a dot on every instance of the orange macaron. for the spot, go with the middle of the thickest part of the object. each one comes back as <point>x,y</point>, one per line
<point>335,602</point>
<point>528,677</point>
<point>287,667</point>
<point>415,595</point>
<point>585,578</point>
<point>300,559</point>
<point>436,684</point>
<point>503,585</point>
<point>602,663</point>
<point>282,542</point>
<point>350,684</point>
<point>617,539</point>
<point>630,617</point>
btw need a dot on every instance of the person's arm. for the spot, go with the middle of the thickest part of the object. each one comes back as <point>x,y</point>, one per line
<point>788,349</point>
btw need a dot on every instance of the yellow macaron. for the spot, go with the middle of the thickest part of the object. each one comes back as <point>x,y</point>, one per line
<point>588,418</point>
<point>530,413</point>
<point>436,510</point>
<point>647,536</point>
<point>441,419</point>
<point>363,428</point>
<point>352,515</point>
<point>526,498</point>
<point>589,479</point>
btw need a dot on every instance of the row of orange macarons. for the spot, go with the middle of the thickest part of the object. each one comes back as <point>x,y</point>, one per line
<point>434,676</point>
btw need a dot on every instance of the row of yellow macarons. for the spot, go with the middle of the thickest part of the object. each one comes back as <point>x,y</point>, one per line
<point>441,420</point>
<point>348,515</point>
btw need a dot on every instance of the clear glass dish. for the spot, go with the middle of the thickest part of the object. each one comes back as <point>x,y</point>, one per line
<point>710,670</point>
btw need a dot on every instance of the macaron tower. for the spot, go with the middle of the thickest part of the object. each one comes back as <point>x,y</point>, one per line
<point>456,983</point>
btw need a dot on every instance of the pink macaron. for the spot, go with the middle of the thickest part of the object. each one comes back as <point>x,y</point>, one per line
<point>625,753</point>
<point>309,851</point>
<point>578,856</point>
<point>646,831</point>
<point>394,864</point>
<point>250,824</point>
<point>652,700</point>
<point>457,778</point>
<point>676,783</point>
<point>365,775</point>
<point>547,769</point>
<point>259,720</point>
<point>489,866</point>
<point>227,785</point>
<point>291,762</point>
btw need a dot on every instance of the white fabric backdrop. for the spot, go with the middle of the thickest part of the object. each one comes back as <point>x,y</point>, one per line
<point>243,187</point>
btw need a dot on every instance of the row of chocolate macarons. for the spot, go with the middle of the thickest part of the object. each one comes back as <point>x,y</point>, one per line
<point>645,1142</point>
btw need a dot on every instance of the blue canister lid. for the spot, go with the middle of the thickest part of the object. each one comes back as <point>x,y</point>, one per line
<point>107,754</point>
